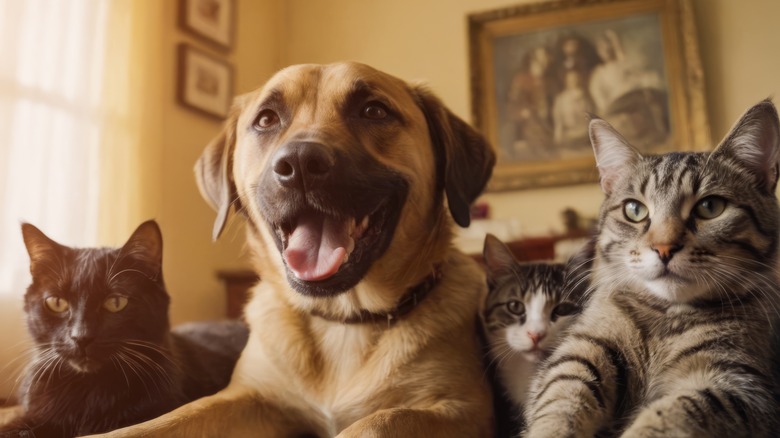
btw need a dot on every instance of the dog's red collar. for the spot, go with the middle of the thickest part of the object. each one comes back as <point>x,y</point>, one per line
<point>413,296</point>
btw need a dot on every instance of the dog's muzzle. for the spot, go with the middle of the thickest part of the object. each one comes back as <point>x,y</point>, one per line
<point>333,213</point>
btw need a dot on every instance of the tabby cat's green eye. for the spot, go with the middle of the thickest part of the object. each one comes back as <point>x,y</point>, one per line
<point>515,307</point>
<point>57,304</point>
<point>710,207</point>
<point>635,211</point>
<point>115,303</point>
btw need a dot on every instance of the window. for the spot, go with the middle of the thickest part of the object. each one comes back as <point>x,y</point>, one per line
<point>51,76</point>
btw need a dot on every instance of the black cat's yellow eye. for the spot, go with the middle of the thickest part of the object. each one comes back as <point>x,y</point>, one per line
<point>710,207</point>
<point>635,211</point>
<point>115,303</point>
<point>565,309</point>
<point>56,304</point>
<point>515,307</point>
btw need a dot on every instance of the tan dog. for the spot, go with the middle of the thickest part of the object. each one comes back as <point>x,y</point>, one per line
<point>363,322</point>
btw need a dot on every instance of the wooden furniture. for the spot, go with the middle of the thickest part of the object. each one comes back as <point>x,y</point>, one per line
<point>238,282</point>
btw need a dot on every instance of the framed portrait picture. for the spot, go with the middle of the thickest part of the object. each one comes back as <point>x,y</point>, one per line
<point>205,83</point>
<point>538,71</point>
<point>212,20</point>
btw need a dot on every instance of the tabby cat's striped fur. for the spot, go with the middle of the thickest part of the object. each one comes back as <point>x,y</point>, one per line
<point>676,339</point>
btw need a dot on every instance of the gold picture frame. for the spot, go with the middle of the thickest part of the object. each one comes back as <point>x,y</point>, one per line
<point>211,20</point>
<point>538,70</point>
<point>204,82</point>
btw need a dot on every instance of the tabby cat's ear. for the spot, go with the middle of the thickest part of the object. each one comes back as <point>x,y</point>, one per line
<point>754,144</point>
<point>145,244</point>
<point>497,256</point>
<point>41,249</point>
<point>614,155</point>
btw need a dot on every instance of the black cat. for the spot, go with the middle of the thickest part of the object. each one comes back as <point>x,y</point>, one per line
<point>105,356</point>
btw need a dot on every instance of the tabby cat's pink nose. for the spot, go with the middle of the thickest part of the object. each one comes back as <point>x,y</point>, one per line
<point>666,251</point>
<point>536,337</point>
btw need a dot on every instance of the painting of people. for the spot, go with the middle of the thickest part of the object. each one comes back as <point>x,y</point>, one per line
<point>547,82</point>
<point>541,71</point>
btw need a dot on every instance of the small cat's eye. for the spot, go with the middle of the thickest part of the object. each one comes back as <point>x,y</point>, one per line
<point>57,304</point>
<point>515,307</point>
<point>565,308</point>
<point>635,211</point>
<point>115,303</point>
<point>710,207</point>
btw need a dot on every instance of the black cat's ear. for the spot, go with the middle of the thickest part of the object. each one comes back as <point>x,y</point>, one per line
<point>754,144</point>
<point>145,244</point>
<point>498,258</point>
<point>41,248</point>
<point>614,155</point>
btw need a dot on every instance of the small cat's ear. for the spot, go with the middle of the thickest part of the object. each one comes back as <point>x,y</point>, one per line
<point>497,256</point>
<point>754,144</point>
<point>39,246</point>
<point>614,155</point>
<point>145,244</point>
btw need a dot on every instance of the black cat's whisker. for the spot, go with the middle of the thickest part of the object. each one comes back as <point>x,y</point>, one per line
<point>144,374</point>
<point>154,366</point>
<point>136,369</point>
<point>43,365</point>
<point>54,369</point>
<point>118,363</point>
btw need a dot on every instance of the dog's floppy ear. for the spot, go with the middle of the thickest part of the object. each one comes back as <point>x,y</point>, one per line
<point>214,170</point>
<point>464,158</point>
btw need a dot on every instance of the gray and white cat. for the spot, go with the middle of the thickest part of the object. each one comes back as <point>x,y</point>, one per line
<point>677,338</point>
<point>526,311</point>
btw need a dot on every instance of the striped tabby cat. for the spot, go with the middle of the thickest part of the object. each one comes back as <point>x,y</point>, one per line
<point>675,341</point>
<point>526,311</point>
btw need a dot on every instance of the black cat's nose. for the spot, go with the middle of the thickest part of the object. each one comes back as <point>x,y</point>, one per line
<point>666,252</point>
<point>82,340</point>
<point>300,165</point>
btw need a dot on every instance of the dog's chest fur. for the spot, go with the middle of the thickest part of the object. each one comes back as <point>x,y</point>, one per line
<point>338,373</point>
<point>329,370</point>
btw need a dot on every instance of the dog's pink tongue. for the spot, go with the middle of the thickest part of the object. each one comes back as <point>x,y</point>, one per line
<point>317,247</point>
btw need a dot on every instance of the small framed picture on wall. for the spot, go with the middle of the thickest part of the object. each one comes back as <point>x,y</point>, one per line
<point>212,20</point>
<point>205,83</point>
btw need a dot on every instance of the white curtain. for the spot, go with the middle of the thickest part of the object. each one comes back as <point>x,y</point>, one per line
<point>51,77</point>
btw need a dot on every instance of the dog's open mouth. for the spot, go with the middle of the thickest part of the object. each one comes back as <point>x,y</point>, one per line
<point>326,253</point>
<point>316,245</point>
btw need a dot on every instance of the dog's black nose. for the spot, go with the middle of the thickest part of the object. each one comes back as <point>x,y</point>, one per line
<point>300,164</point>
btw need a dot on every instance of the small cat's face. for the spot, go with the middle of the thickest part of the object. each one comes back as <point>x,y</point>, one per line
<point>527,305</point>
<point>527,321</point>
<point>87,308</point>
<point>687,226</point>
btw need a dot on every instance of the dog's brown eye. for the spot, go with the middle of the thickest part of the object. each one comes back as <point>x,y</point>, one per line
<point>374,111</point>
<point>266,119</point>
